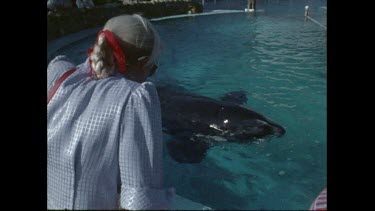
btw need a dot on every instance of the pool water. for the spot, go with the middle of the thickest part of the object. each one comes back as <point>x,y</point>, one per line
<point>280,60</point>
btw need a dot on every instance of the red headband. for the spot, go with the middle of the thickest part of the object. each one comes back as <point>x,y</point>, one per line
<point>117,52</point>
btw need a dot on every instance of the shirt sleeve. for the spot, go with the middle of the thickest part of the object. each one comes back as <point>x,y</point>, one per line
<point>141,153</point>
<point>58,66</point>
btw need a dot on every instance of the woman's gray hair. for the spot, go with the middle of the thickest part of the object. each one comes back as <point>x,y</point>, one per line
<point>132,30</point>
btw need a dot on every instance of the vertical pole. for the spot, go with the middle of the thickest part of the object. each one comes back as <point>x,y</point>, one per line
<point>255,4</point>
<point>202,2</point>
<point>251,4</point>
<point>306,11</point>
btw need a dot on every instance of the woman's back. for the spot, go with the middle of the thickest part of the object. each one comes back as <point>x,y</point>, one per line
<point>86,120</point>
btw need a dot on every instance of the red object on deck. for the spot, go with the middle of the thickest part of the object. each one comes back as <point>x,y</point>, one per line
<point>320,203</point>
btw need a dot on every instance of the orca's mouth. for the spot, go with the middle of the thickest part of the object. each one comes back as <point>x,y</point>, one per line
<point>258,132</point>
<point>278,131</point>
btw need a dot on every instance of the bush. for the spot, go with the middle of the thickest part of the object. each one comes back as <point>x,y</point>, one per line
<point>71,20</point>
<point>101,2</point>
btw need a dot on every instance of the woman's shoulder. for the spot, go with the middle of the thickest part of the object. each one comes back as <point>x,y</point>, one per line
<point>59,61</point>
<point>56,68</point>
<point>136,93</point>
<point>119,87</point>
<point>146,88</point>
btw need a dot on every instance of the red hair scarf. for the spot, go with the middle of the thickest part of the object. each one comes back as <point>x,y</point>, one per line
<point>116,49</point>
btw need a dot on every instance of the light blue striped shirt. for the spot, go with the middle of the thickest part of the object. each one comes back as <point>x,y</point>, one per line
<point>104,139</point>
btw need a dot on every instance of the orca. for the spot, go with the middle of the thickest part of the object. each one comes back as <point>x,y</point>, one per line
<point>197,122</point>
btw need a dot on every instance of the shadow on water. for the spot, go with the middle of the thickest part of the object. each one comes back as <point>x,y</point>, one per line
<point>237,176</point>
<point>211,182</point>
<point>199,180</point>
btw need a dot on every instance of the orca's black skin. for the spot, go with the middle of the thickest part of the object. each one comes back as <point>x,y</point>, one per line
<point>197,122</point>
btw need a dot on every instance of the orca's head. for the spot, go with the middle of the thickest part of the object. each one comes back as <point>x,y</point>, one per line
<point>240,123</point>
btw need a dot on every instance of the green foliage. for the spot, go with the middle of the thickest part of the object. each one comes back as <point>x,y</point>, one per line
<point>66,21</point>
<point>101,2</point>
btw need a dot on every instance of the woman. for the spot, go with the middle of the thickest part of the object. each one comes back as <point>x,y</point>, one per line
<point>104,124</point>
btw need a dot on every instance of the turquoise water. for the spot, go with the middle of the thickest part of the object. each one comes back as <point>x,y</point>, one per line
<point>280,60</point>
